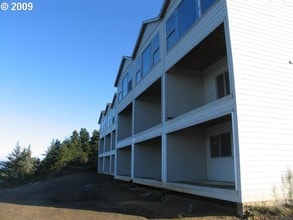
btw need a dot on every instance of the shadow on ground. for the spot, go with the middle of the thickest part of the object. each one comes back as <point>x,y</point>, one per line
<point>88,190</point>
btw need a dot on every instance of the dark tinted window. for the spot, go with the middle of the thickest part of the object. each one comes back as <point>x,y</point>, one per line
<point>205,4</point>
<point>172,30</point>
<point>156,49</point>
<point>220,86</point>
<point>227,83</point>
<point>215,146</point>
<point>188,13</point>
<point>226,146</point>
<point>146,61</point>
<point>223,85</point>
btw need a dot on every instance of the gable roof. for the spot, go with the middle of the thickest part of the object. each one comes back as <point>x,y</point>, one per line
<point>124,58</point>
<point>140,36</point>
<point>114,100</point>
<point>108,106</point>
<point>145,23</point>
<point>101,116</point>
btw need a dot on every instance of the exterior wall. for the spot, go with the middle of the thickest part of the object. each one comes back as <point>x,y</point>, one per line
<point>199,30</point>
<point>147,159</point>
<point>186,156</point>
<point>259,47</point>
<point>149,31</point>
<point>209,84</point>
<point>147,113</point>
<point>124,124</point>
<point>261,44</point>
<point>178,157</point>
<point>150,78</point>
<point>184,92</point>
<point>180,154</point>
<point>188,90</point>
<point>107,142</point>
<point>222,168</point>
<point>123,164</point>
<point>107,164</point>
<point>112,171</point>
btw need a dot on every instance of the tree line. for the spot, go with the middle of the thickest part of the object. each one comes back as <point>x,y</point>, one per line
<point>80,149</point>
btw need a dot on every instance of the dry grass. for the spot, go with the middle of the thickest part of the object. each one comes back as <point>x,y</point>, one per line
<point>24,212</point>
<point>88,195</point>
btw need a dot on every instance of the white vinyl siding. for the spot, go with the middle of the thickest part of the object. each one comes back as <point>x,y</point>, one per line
<point>221,168</point>
<point>189,90</point>
<point>186,156</point>
<point>210,92</point>
<point>184,92</point>
<point>148,159</point>
<point>261,35</point>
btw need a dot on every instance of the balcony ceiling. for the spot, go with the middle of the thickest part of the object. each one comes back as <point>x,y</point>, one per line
<point>207,52</point>
<point>153,90</point>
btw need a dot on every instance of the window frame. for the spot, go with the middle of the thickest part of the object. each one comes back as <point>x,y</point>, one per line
<point>204,10</point>
<point>120,97</point>
<point>125,86</point>
<point>146,59</point>
<point>226,84</point>
<point>174,30</point>
<point>216,150</point>
<point>138,76</point>
<point>156,49</point>
<point>181,21</point>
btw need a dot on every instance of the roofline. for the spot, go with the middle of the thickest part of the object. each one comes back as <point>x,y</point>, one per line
<point>140,35</point>
<point>146,22</point>
<point>100,118</point>
<point>107,108</point>
<point>120,69</point>
<point>113,100</point>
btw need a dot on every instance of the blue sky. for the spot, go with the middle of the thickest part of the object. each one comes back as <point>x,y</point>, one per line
<point>58,64</point>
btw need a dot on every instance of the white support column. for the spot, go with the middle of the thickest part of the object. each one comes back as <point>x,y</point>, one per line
<point>164,137</point>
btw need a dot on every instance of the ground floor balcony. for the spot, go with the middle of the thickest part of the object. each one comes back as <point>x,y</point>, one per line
<point>198,159</point>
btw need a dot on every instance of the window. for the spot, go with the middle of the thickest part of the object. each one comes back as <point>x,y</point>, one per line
<point>119,92</point>
<point>113,116</point>
<point>223,85</point>
<point>109,120</point>
<point>172,30</point>
<point>221,145</point>
<point>187,13</point>
<point>125,87</point>
<point>149,58</point>
<point>156,49</point>
<point>138,69</point>
<point>129,86</point>
<point>146,60</point>
<point>183,17</point>
<point>205,4</point>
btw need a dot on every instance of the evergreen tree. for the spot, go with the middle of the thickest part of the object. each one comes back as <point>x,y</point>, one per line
<point>20,164</point>
<point>84,137</point>
<point>94,146</point>
<point>53,160</point>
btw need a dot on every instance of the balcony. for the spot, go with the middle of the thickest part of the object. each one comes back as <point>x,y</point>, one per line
<point>195,158</point>
<point>148,108</point>
<point>191,82</point>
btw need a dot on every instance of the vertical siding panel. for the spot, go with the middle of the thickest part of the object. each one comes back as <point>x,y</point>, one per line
<point>210,74</point>
<point>261,36</point>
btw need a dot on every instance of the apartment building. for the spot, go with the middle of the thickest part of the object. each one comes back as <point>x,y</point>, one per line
<point>204,104</point>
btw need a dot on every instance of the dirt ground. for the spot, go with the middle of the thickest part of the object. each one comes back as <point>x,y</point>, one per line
<point>88,195</point>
